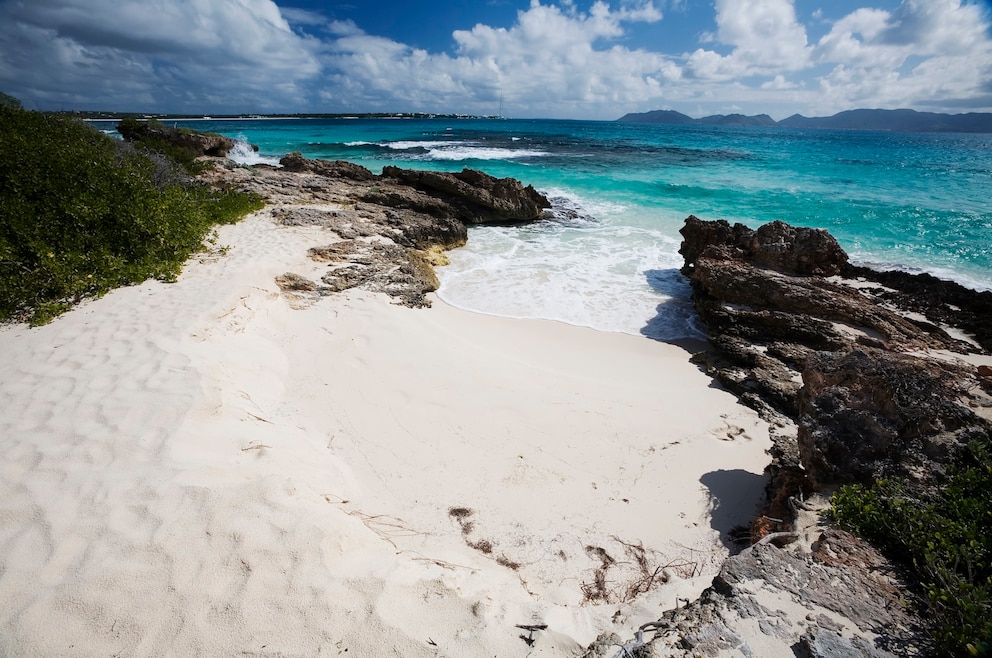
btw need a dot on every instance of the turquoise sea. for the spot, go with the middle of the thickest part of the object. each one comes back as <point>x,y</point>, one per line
<point>609,260</point>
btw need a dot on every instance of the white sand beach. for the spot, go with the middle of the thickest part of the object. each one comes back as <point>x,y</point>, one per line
<point>199,468</point>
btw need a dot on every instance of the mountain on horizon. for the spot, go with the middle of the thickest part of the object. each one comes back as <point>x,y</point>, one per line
<point>886,120</point>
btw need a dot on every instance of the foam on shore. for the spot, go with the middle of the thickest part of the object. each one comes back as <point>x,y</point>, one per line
<point>199,469</point>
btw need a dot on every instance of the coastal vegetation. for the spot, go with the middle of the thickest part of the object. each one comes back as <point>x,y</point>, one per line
<point>155,137</point>
<point>9,101</point>
<point>82,213</point>
<point>943,537</point>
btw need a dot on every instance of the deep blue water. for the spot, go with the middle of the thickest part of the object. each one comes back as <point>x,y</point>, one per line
<point>895,200</point>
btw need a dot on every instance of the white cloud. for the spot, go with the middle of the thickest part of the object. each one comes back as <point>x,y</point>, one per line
<point>131,54</point>
<point>568,59</point>
<point>765,36</point>
<point>302,16</point>
<point>851,40</point>
<point>778,83</point>
<point>553,60</point>
<point>945,43</point>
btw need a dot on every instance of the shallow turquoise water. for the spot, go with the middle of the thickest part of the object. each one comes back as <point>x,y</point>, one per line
<point>911,201</point>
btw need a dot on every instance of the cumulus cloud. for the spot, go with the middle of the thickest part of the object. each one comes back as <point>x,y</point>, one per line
<point>568,58</point>
<point>765,36</point>
<point>131,54</point>
<point>923,51</point>
<point>555,60</point>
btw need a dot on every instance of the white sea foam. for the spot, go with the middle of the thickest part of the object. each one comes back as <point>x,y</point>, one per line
<point>602,208</point>
<point>606,277</point>
<point>589,266</point>
<point>481,153</point>
<point>243,153</point>
<point>407,145</point>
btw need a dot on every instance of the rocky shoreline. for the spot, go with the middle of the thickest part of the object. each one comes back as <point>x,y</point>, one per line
<point>861,373</point>
<point>391,229</point>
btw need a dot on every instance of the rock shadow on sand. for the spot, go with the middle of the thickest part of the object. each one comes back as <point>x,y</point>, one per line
<point>675,319</point>
<point>735,497</point>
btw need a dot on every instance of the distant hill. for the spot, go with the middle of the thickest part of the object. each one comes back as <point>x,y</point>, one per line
<point>736,120</point>
<point>891,120</point>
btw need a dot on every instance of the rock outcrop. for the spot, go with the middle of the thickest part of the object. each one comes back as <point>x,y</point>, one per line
<point>197,143</point>
<point>295,162</point>
<point>775,246</point>
<point>867,414</point>
<point>767,303</point>
<point>472,196</point>
<point>861,383</point>
<point>840,598</point>
<point>940,302</point>
<point>389,230</point>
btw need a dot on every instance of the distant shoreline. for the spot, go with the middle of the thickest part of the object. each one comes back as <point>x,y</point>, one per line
<point>107,116</point>
<point>851,120</point>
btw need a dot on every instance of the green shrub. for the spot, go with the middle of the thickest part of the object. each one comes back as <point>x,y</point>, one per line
<point>137,132</point>
<point>943,536</point>
<point>81,213</point>
<point>9,101</point>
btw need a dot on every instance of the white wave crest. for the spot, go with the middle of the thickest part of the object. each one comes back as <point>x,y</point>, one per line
<point>475,153</point>
<point>243,153</point>
<point>407,145</point>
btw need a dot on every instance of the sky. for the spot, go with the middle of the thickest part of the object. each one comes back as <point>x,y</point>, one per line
<point>575,59</point>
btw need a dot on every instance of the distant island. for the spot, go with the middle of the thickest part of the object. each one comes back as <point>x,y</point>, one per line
<point>890,120</point>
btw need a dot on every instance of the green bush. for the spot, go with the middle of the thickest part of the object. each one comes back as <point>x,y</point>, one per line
<point>9,101</point>
<point>943,537</point>
<point>143,133</point>
<point>81,213</point>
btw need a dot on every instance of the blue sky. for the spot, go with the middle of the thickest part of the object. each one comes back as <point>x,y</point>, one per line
<point>544,58</point>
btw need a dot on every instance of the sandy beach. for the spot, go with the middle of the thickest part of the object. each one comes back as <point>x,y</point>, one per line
<point>211,468</point>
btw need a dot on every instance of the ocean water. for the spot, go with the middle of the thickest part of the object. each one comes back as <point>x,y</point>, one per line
<point>609,258</point>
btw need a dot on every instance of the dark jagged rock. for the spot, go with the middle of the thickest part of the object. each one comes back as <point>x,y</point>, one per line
<point>867,414</point>
<point>414,231</point>
<point>766,302</point>
<point>770,329</point>
<point>473,196</point>
<point>403,197</point>
<point>330,168</point>
<point>775,246</point>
